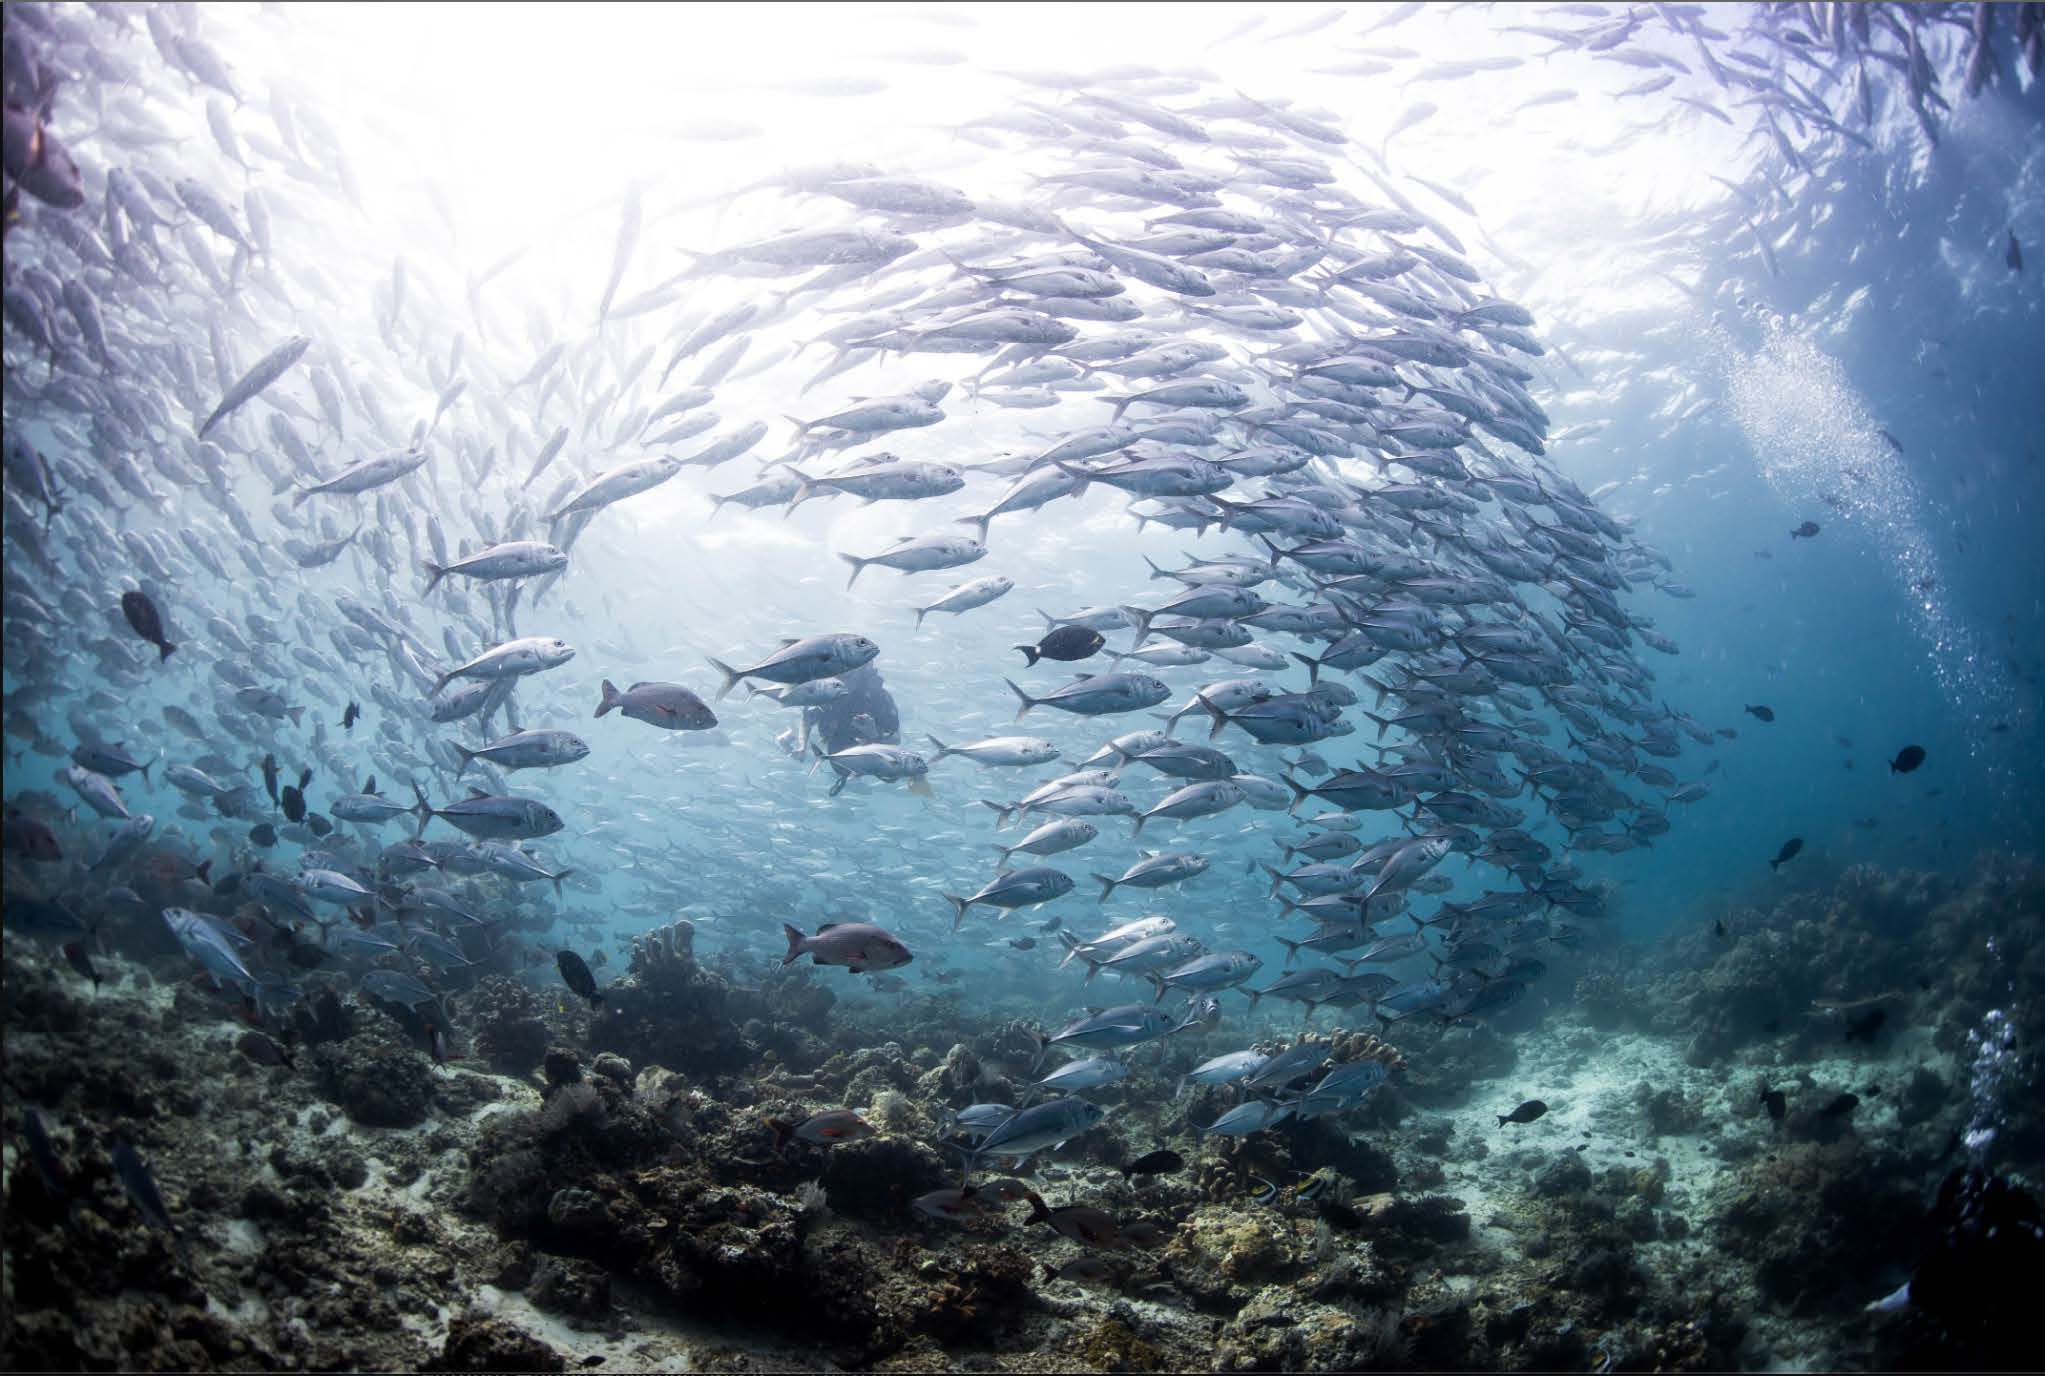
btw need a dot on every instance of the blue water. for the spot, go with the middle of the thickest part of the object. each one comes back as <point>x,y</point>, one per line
<point>1876,370</point>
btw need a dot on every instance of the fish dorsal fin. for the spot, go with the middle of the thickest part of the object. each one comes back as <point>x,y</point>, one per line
<point>789,639</point>
<point>827,927</point>
<point>477,793</point>
<point>637,686</point>
<point>369,784</point>
<point>1083,677</point>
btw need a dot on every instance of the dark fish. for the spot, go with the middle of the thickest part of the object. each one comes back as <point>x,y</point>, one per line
<point>1719,930</point>
<point>578,977</point>
<point>350,716</point>
<point>263,834</point>
<point>1864,1027</point>
<point>1788,852</point>
<point>260,1049</point>
<point>1160,1162</point>
<point>148,624</point>
<point>317,824</point>
<point>1894,443</point>
<point>1051,924</point>
<point>23,835</point>
<point>1023,943</point>
<point>49,1169</point>
<point>1525,1113</point>
<point>81,960</point>
<point>304,778</point>
<point>2014,254</point>
<point>1082,1271</point>
<point>1844,1104</point>
<point>1066,643</point>
<point>141,1186</point>
<point>293,803</point>
<point>1776,1102</point>
<point>270,775</point>
<point>1907,759</point>
<point>1764,713</point>
<point>1804,531</point>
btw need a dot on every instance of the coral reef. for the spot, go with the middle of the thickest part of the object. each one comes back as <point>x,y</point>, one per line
<point>593,1178</point>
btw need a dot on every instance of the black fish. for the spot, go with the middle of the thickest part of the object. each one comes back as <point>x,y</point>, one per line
<point>1764,713</point>
<point>1160,1162</point>
<point>578,977</point>
<point>1066,643</point>
<point>1051,924</point>
<point>1841,1106</point>
<point>270,775</point>
<point>49,1169</point>
<point>1864,1027</point>
<point>1719,930</point>
<point>349,717</point>
<point>318,825</point>
<point>1894,443</point>
<point>1023,943</point>
<point>293,803</point>
<point>1907,759</point>
<point>81,961</point>
<point>148,623</point>
<point>263,834</point>
<point>1525,1113</point>
<point>262,1050</point>
<point>1804,531</point>
<point>304,778</point>
<point>1788,852</point>
<point>141,1186</point>
<point>1776,1102</point>
<point>2014,254</point>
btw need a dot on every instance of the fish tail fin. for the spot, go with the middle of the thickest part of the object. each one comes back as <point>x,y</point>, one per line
<point>424,809</point>
<point>978,523</point>
<point>1031,656</point>
<point>958,909</point>
<point>942,749</point>
<point>731,678</point>
<point>921,612</point>
<point>1277,878</point>
<point>164,650</point>
<point>609,700</point>
<point>1027,701</point>
<point>468,758</point>
<point>795,939</point>
<point>297,714</point>
<point>1220,717</point>
<point>435,573</point>
<point>1313,666</point>
<point>1107,886</point>
<point>1139,620</point>
<point>1291,950</point>
<point>557,877</point>
<point>858,567</point>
